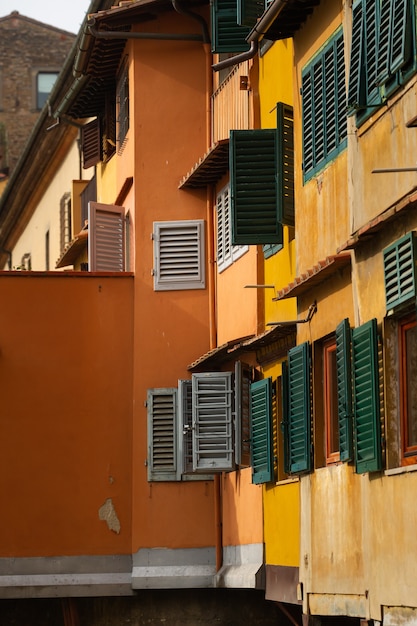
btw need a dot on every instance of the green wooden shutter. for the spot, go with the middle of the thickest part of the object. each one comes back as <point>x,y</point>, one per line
<point>213,431</point>
<point>261,427</point>
<point>253,185</point>
<point>384,41</point>
<point>308,121</point>
<point>285,416</point>
<point>285,126</point>
<point>248,11</point>
<point>400,271</point>
<point>227,35</point>
<point>299,409</point>
<point>340,89</point>
<point>367,430</point>
<point>400,48</point>
<point>356,94</point>
<point>162,434</point>
<point>242,418</point>
<point>344,389</point>
<point>371,38</point>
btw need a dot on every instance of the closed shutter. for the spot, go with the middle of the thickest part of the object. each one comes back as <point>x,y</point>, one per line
<point>285,416</point>
<point>344,389</point>
<point>253,184</point>
<point>248,11</point>
<point>261,429</point>
<point>384,41</point>
<point>400,271</point>
<point>340,89</point>
<point>285,126</point>
<point>308,121</point>
<point>212,422</point>
<point>179,255</point>
<point>227,35</point>
<point>401,21</point>
<point>299,409</point>
<point>162,457</point>
<point>367,431</point>
<point>91,143</point>
<point>106,238</point>
<point>242,418</point>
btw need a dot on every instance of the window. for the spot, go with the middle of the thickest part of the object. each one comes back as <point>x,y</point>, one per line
<point>202,427</point>
<point>324,106</point>
<point>383,52</point>
<point>106,238</point>
<point>352,384</point>
<point>179,255</point>
<point>226,252</point>
<point>44,83</point>
<point>262,181</point>
<point>330,403</point>
<point>407,342</point>
<point>122,103</point>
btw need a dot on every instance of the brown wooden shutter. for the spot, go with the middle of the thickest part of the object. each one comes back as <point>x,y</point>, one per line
<point>91,143</point>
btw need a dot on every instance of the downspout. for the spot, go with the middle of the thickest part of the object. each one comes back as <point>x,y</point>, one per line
<point>255,34</point>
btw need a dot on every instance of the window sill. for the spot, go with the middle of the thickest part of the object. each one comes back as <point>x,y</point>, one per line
<point>288,481</point>
<point>401,470</point>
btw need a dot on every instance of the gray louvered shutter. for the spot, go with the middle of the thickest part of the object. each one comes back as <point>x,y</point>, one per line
<point>185,423</point>
<point>285,126</point>
<point>162,434</point>
<point>213,430</point>
<point>91,147</point>
<point>400,271</point>
<point>261,431</point>
<point>344,389</point>
<point>179,255</point>
<point>106,238</point>
<point>242,417</point>
<point>253,186</point>
<point>227,34</point>
<point>367,425</point>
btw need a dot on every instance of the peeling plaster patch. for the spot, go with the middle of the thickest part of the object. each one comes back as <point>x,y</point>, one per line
<point>107,513</point>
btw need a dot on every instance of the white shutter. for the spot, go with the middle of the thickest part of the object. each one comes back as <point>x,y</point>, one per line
<point>212,422</point>
<point>179,255</point>
<point>162,434</point>
<point>106,238</point>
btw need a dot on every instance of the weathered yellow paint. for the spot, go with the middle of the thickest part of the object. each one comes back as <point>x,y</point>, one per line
<point>282,524</point>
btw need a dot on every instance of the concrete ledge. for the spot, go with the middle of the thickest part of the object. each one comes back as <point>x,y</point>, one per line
<point>161,568</point>
<point>242,567</point>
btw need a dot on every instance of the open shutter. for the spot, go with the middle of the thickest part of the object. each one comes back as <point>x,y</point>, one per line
<point>344,389</point>
<point>261,427</point>
<point>227,35</point>
<point>299,409</point>
<point>242,418</point>
<point>285,416</point>
<point>248,11</point>
<point>185,424</point>
<point>308,121</point>
<point>212,422</point>
<point>253,184</point>
<point>384,41</point>
<point>400,271</point>
<point>356,85</point>
<point>285,126</point>
<point>367,435</point>
<point>106,238</point>
<point>91,143</point>
<point>162,434</point>
<point>179,255</point>
<point>401,24</point>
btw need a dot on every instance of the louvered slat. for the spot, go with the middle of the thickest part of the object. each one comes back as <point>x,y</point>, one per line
<point>106,238</point>
<point>400,271</point>
<point>355,92</point>
<point>261,429</point>
<point>398,53</point>
<point>91,143</point>
<point>367,430</point>
<point>285,126</point>
<point>227,35</point>
<point>162,461</point>
<point>383,66</point>
<point>248,11</point>
<point>299,409</point>
<point>371,44</point>
<point>253,182</point>
<point>307,92</point>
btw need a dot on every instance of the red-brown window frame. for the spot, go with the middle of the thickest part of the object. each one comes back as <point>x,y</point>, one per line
<point>330,399</point>
<point>408,453</point>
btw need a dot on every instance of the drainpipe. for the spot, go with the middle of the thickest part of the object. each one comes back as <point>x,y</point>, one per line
<point>256,33</point>
<point>122,34</point>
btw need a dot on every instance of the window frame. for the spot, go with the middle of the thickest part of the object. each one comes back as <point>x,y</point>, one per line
<point>330,400</point>
<point>319,146</point>
<point>40,103</point>
<point>408,453</point>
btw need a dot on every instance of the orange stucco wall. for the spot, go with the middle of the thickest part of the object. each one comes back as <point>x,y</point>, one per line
<point>65,426</point>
